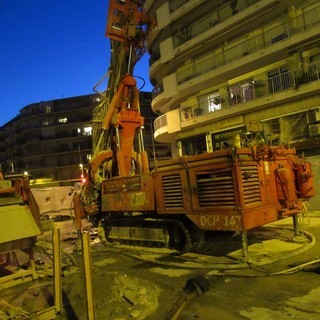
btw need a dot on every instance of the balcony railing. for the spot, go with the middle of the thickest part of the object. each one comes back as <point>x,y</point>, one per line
<point>191,31</point>
<point>249,91</point>
<point>297,25</point>
<point>160,122</point>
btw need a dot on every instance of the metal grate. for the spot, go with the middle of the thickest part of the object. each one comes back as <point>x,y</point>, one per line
<point>215,189</point>
<point>172,191</point>
<point>250,184</point>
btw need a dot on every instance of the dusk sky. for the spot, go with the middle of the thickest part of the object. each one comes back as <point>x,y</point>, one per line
<point>53,49</point>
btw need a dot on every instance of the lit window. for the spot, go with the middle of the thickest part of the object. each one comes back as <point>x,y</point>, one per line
<point>48,109</point>
<point>45,123</point>
<point>63,120</point>
<point>214,102</point>
<point>87,131</point>
<point>211,102</point>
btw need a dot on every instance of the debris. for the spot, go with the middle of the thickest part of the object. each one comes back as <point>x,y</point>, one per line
<point>128,297</point>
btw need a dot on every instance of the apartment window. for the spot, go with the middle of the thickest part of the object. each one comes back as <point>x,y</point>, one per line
<point>63,120</point>
<point>210,102</point>
<point>45,123</point>
<point>288,128</point>
<point>185,34</point>
<point>241,92</point>
<point>235,94</point>
<point>278,79</point>
<point>275,126</point>
<point>247,90</point>
<point>298,126</point>
<point>87,131</point>
<point>48,109</point>
<point>273,131</point>
<point>194,145</point>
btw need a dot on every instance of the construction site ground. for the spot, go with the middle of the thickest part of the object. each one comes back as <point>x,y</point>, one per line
<point>279,279</point>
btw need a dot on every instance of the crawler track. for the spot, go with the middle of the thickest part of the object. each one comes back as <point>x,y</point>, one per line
<point>148,232</point>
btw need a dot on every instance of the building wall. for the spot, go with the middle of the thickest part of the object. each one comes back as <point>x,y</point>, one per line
<point>248,64</point>
<point>52,139</point>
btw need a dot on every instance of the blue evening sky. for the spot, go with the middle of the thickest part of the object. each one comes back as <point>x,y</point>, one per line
<point>52,49</point>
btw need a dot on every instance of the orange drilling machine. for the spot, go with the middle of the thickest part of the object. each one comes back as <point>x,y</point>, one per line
<point>176,202</point>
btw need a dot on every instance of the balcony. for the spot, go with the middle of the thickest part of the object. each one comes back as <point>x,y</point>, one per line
<point>210,21</point>
<point>166,126</point>
<point>161,128</point>
<point>250,54</point>
<point>286,31</point>
<point>236,18</point>
<point>258,94</point>
<point>238,99</point>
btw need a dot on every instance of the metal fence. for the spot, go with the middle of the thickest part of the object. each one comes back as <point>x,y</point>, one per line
<point>306,21</point>
<point>254,90</point>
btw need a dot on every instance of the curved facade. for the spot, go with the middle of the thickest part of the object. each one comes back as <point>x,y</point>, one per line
<point>235,71</point>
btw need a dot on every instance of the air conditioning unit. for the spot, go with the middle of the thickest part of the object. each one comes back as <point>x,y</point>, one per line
<point>313,116</point>
<point>314,129</point>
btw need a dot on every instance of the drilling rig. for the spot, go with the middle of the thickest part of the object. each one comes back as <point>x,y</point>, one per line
<point>179,200</point>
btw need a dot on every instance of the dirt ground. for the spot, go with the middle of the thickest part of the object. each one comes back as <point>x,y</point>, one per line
<point>135,283</point>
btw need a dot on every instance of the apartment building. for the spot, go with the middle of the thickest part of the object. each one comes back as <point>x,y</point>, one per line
<point>53,139</point>
<point>240,72</point>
